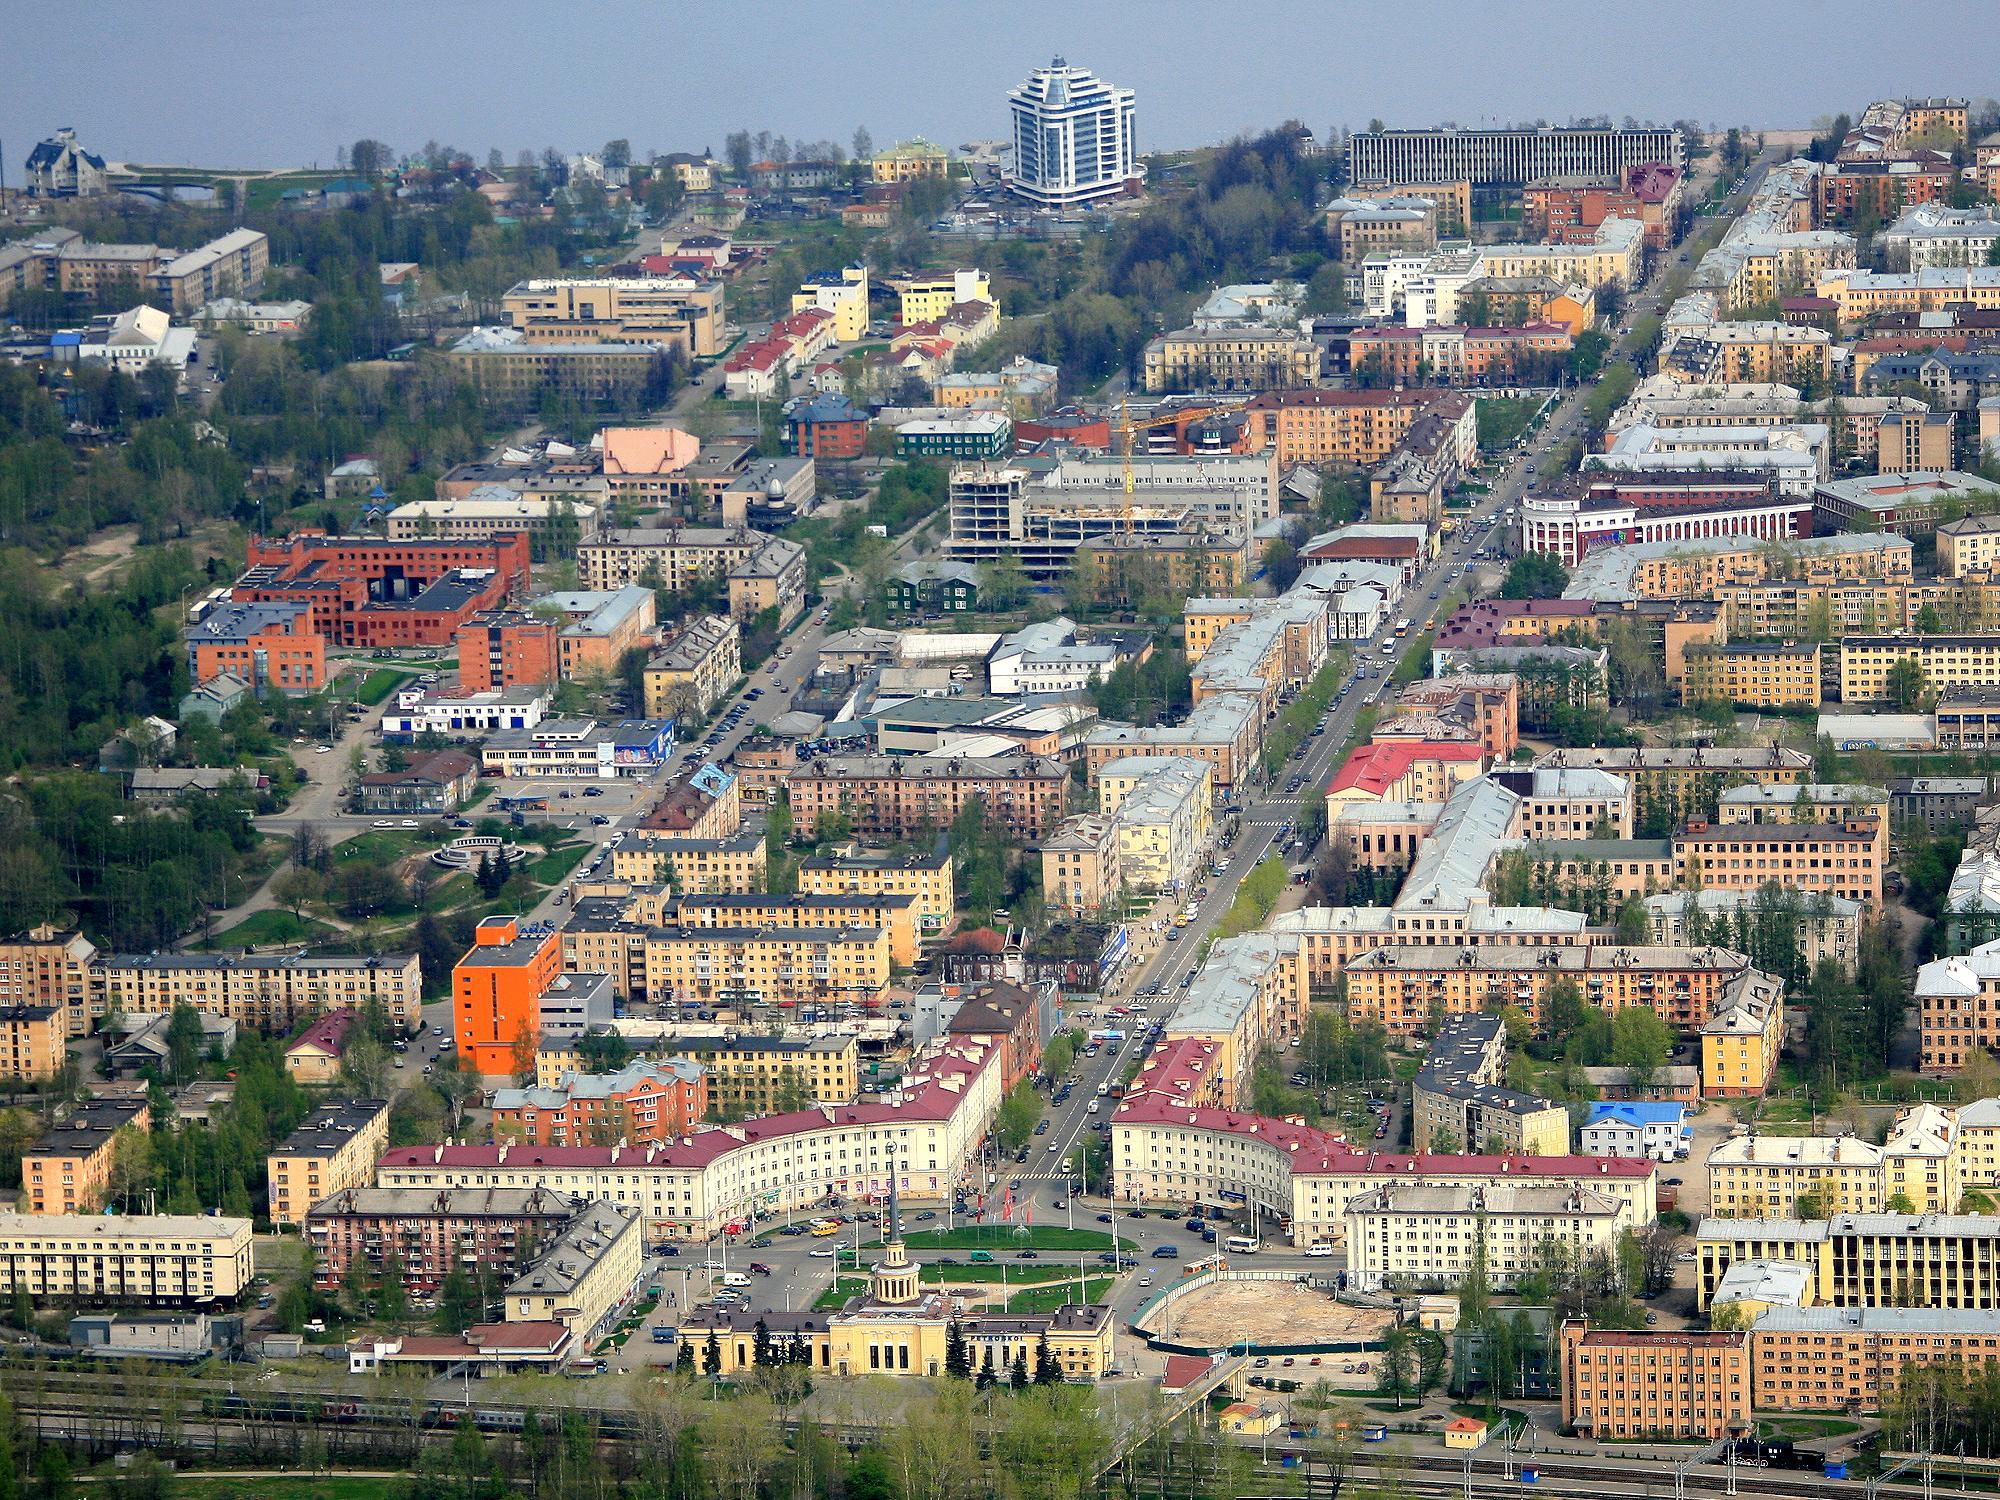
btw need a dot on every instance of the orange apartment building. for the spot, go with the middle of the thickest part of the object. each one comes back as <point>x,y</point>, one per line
<point>334,1148</point>
<point>48,965</point>
<point>1617,1384</point>
<point>270,647</point>
<point>891,796</point>
<point>1453,353</point>
<point>506,648</point>
<point>1320,427</point>
<point>32,1041</point>
<point>68,1171</point>
<point>654,1102</point>
<point>1842,858</point>
<point>1402,987</point>
<point>496,992</point>
<point>1851,1358</point>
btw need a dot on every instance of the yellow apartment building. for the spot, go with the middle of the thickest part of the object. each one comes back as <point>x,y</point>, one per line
<point>1700,572</point>
<point>1248,995</point>
<point>1938,1261</point>
<point>1841,858</point>
<point>1230,359</point>
<point>844,293</point>
<point>1947,661</point>
<point>1402,987</point>
<point>153,1260</point>
<point>1203,619</point>
<point>68,1170</point>
<point>915,157</point>
<point>925,878</point>
<point>1968,545</point>
<point>895,914</point>
<point>1754,675</point>
<point>1334,426</point>
<point>1865,294</point>
<point>765,965</point>
<point>704,867</point>
<point>695,670</point>
<point>1080,867</point>
<point>1694,777</point>
<point>753,1075</point>
<point>673,310</point>
<point>1741,1041</point>
<point>584,1276</point>
<point>334,1148</point>
<point>935,293</point>
<point>1764,1176</point>
<point>272,991</point>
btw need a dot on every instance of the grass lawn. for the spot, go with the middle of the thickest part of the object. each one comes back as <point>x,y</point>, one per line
<point>1004,1237</point>
<point>380,845</point>
<point>550,869</point>
<point>380,683</point>
<point>1049,1298</point>
<point>1802,1426</point>
<point>289,1486</point>
<point>271,927</point>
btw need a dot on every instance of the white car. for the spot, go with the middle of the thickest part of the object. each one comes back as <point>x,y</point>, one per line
<point>1320,1248</point>
<point>385,823</point>
<point>409,823</point>
<point>822,1254</point>
<point>322,750</point>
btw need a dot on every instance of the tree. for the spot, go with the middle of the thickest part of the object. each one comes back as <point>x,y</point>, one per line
<point>369,158</point>
<point>131,1171</point>
<point>1564,1010</point>
<point>184,1043</point>
<point>1635,927</point>
<point>297,888</point>
<point>460,1303</point>
<point>957,1363</point>
<point>684,1359</point>
<point>526,1050</point>
<point>711,1356</point>
<point>1047,1370</point>
<point>1017,1375</point>
<point>1906,683</point>
<point>1535,575</point>
<point>864,145</point>
<point>1397,1365</point>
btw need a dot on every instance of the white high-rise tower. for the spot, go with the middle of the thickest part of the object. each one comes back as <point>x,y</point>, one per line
<point>1075,137</point>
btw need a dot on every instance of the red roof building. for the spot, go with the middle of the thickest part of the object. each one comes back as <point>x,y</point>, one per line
<point>1406,770</point>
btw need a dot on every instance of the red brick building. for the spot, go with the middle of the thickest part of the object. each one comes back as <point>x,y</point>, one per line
<point>506,648</point>
<point>653,1102</point>
<point>1884,186</point>
<point>270,646</point>
<point>1011,1017</point>
<point>493,1232</point>
<point>365,592</point>
<point>828,426</point>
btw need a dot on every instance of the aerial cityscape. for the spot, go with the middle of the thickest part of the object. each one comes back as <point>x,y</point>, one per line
<point>1068,803</point>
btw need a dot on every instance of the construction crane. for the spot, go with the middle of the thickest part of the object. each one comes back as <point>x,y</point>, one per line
<point>1128,432</point>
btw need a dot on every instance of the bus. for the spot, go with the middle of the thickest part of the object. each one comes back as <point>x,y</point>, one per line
<point>821,1228</point>
<point>1239,1244</point>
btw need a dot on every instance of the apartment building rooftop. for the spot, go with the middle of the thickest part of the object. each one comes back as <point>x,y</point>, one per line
<point>332,1126</point>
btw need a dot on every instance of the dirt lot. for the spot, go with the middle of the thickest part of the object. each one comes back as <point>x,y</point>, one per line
<point>1266,1312</point>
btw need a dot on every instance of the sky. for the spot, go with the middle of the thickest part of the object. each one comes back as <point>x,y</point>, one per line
<point>226,83</point>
